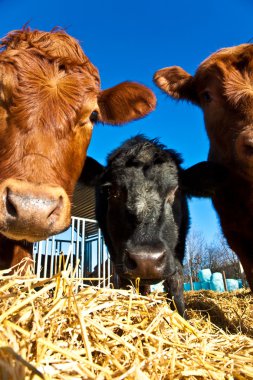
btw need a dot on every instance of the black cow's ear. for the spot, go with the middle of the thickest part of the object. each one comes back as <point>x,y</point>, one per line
<point>203,179</point>
<point>92,170</point>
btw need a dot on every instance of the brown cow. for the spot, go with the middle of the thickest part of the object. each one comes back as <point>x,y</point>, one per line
<point>223,88</point>
<point>50,98</point>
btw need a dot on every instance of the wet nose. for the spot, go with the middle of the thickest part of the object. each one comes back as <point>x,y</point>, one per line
<point>145,264</point>
<point>20,206</point>
<point>30,211</point>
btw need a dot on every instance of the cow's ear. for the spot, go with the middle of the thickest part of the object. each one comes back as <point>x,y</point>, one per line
<point>92,170</point>
<point>125,102</point>
<point>204,179</point>
<point>176,82</point>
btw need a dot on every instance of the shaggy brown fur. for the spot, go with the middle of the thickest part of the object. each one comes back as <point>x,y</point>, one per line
<point>50,98</point>
<point>223,88</point>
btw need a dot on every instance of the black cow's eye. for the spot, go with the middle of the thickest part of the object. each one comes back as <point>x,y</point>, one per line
<point>206,96</point>
<point>114,193</point>
<point>94,117</point>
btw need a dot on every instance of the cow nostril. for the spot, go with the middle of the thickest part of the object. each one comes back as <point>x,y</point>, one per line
<point>129,262</point>
<point>10,207</point>
<point>161,259</point>
<point>56,210</point>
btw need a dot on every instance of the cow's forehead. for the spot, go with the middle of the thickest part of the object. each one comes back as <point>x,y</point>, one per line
<point>227,56</point>
<point>143,162</point>
<point>41,77</point>
<point>158,177</point>
<point>52,46</point>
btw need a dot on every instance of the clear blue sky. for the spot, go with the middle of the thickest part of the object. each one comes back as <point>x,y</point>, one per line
<point>130,40</point>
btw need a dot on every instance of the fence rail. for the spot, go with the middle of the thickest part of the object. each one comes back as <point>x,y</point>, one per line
<point>80,249</point>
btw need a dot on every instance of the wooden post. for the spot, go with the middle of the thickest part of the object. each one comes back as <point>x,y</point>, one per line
<point>192,288</point>
<point>224,280</point>
<point>242,274</point>
<point>241,268</point>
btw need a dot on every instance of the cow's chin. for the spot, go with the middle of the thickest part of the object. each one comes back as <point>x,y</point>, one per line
<point>30,236</point>
<point>149,282</point>
<point>31,233</point>
<point>144,281</point>
<point>23,236</point>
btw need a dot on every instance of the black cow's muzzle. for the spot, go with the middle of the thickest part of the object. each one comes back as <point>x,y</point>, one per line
<point>145,264</point>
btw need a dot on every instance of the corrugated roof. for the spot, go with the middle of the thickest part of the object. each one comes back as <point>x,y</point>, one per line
<point>84,205</point>
<point>84,202</point>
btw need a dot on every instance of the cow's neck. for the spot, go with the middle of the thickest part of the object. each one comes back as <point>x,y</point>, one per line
<point>12,252</point>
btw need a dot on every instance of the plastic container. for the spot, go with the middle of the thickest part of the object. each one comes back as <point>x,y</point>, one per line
<point>204,275</point>
<point>232,284</point>
<point>187,286</point>
<point>216,276</point>
<point>157,287</point>
<point>216,282</point>
<point>205,285</point>
<point>197,285</point>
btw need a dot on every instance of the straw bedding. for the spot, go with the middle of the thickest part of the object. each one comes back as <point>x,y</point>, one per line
<point>51,329</point>
<point>232,312</point>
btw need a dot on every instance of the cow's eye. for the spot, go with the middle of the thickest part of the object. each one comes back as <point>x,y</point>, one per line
<point>206,96</point>
<point>242,64</point>
<point>94,117</point>
<point>62,67</point>
<point>114,193</point>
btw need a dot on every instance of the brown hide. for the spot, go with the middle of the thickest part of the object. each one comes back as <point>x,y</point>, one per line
<point>223,87</point>
<point>50,99</point>
<point>15,253</point>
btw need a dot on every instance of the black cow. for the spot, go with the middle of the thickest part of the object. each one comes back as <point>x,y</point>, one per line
<point>141,208</point>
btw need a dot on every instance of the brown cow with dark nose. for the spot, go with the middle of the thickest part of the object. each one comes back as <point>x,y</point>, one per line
<point>223,88</point>
<point>50,98</point>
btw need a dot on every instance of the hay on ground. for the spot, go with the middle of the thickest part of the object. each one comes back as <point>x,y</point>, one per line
<point>232,312</point>
<point>50,330</point>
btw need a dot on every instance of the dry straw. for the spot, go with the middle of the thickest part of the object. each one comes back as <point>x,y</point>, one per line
<point>53,329</point>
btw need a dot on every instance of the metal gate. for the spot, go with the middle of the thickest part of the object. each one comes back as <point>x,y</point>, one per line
<point>80,250</point>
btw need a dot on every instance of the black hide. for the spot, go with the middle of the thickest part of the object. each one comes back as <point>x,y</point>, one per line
<point>141,208</point>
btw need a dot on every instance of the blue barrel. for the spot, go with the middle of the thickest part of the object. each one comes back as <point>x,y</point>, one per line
<point>197,285</point>
<point>232,284</point>
<point>216,283</point>
<point>205,285</point>
<point>240,283</point>
<point>216,276</point>
<point>204,275</point>
<point>157,287</point>
<point>187,286</point>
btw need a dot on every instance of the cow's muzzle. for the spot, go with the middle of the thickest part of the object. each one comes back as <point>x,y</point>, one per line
<point>32,212</point>
<point>145,264</point>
